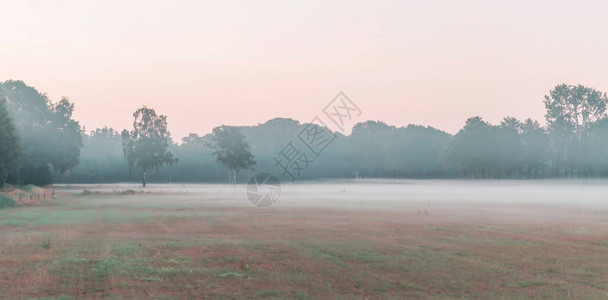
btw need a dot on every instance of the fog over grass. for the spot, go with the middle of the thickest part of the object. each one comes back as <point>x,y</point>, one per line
<point>323,239</point>
<point>382,193</point>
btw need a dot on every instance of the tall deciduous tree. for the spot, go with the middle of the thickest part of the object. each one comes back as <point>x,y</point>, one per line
<point>145,147</point>
<point>571,110</point>
<point>232,150</point>
<point>49,136</point>
<point>10,151</point>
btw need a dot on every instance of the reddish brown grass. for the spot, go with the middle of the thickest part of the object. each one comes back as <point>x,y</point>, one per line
<point>245,252</point>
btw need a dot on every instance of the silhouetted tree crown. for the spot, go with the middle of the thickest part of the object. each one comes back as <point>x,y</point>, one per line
<point>49,136</point>
<point>10,150</point>
<point>145,147</point>
<point>231,150</point>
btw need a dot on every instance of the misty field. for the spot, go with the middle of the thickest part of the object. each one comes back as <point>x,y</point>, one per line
<point>336,240</point>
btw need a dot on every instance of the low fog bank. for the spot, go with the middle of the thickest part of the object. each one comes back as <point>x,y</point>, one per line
<point>378,193</point>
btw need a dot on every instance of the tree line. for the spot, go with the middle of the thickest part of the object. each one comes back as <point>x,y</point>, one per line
<point>38,137</point>
<point>42,143</point>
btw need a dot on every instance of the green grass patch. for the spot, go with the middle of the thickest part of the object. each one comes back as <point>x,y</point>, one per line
<point>232,274</point>
<point>25,188</point>
<point>43,216</point>
<point>7,202</point>
<point>269,294</point>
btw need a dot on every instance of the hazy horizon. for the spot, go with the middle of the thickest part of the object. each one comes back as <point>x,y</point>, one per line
<point>238,63</point>
<point>498,190</point>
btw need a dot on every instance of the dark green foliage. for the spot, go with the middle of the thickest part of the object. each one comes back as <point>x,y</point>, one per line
<point>145,147</point>
<point>574,144</point>
<point>101,159</point>
<point>380,150</point>
<point>231,150</point>
<point>10,150</point>
<point>7,202</point>
<point>49,137</point>
<point>571,113</point>
<point>572,109</point>
<point>536,153</point>
<point>373,150</point>
<point>512,149</point>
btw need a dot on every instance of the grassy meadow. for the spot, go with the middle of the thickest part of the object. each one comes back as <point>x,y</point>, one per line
<point>377,240</point>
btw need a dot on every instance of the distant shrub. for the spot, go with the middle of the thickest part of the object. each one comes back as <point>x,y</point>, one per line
<point>25,188</point>
<point>89,192</point>
<point>46,244</point>
<point>6,202</point>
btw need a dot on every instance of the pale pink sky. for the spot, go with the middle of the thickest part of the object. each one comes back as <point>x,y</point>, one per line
<point>206,63</point>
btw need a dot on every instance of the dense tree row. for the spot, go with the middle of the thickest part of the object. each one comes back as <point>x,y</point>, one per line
<point>10,152</point>
<point>49,139</point>
<point>374,149</point>
<point>40,140</point>
<point>572,145</point>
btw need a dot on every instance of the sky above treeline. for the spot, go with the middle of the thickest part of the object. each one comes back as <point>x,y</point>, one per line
<point>206,63</point>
